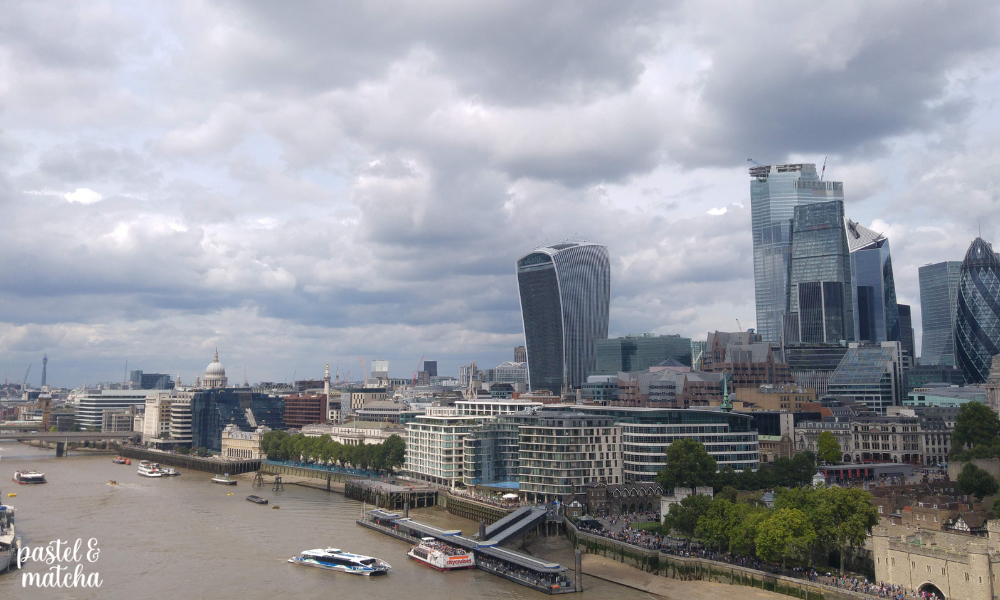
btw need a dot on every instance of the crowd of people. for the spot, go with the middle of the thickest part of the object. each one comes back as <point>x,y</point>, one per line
<point>547,581</point>
<point>493,499</point>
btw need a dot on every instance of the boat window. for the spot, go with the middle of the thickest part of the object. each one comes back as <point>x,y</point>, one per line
<point>368,561</point>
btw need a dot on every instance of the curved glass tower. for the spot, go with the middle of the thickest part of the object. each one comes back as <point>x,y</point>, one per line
<point>565,294</point>
<point>977,322</point>
<point>876,314</point>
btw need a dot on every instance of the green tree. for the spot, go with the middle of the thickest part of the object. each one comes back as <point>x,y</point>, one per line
<point>996,507</point>
<point>976,425</point>
<point>744,525</point>
<point>688,464</point>
<point>846,520</point>
<point>828,449</point>
<point>714,526</point>
<point>976,481</point>
<point>787,533</point>
<point>684,515</point>
<point>395,450</point>
<point>728,493</point>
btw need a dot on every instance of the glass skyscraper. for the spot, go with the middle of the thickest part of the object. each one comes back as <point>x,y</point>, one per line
<point>820,303</point>
<point>977,324</point>
<point>638,352</point>
<point>565,292</point>
<point>876,314</point>
<point>938,309</point>
<point>775,191</point>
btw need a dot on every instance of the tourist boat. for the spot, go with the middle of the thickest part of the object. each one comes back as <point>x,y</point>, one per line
<point>441,556</point>
<point>9,542</point>
<point>148,469</point>
<point>26,477</point>
<point>257,499</point>
<point>335,559</point>
<point>118,460</point>
<point>168,471</point>
<point>224,479</point>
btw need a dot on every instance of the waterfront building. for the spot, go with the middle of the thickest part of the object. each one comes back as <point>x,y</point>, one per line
<point>820,302</point>
<point>491,454</point>
<point>242,445</point>
<point>871,375</point>
<point>180,419</point>
<point>507,372</point>
<point>493,407</point>
<point>562,451</point>
<point>938,310</point>
<point>435,449</point>
<point>640,351</point>
<point>876,314</point>
<point>943,394</point>
<point>647,432</point>
<point>775,191</point>
<point>977,324</point>
<point>91,405</point>
<point>356,433</point>
<point>305,409</point>
<point>213,409</point>
<point>215,374</point>
<point>118,420</point>
<point>565,292</point>
<point>157,422</point>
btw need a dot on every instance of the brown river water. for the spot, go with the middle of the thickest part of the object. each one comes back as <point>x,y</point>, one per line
<point>185,537</point>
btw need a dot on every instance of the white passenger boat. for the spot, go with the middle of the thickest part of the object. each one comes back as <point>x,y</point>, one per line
<point>441,556</point>
<point>224,479</point>
<point>9,542</point>
<point>167,471</point>
<point>148,469</point>
<point>27,477</point>
<point>334,559</point>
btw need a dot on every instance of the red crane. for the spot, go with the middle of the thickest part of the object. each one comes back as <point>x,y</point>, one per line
<point>419,364</point>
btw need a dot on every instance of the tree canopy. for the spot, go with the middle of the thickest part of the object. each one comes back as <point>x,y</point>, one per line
<point>977,482</point>
<point>828,448</point>
<point>688,464</point>
<point>384,457</point>
<point>976,425</point>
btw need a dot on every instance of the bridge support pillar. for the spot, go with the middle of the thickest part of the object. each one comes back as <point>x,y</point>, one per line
<point>579,570</point>
<point>60,449</point>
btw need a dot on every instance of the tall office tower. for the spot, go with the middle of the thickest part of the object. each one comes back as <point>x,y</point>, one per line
<point>431,368</point>
<point>977,324</point>
<point>45,368</point>
<point>775,191</point>
<point>938,309</point>
<point>820,303</point>
<point>906,334</point>
<point>520,354</point>
<point>876,314</point>
<point>565,294</point>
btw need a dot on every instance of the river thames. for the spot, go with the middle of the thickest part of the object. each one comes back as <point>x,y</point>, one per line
<point>184,537</point>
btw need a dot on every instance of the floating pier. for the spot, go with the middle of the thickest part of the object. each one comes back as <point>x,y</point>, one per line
<point>528,571</point>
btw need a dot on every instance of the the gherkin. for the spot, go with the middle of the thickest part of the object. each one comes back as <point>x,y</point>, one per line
<point>977,323</point>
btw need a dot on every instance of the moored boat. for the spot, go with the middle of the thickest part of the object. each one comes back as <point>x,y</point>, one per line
<point>224,479</point>
<point>118,460</point>
<point>9,542</point>
<point>168,471</point>
<point>148,469</point>
<point>441,556</point>
<point>257,499</point>
<point>28,477</point>
<point>334,559</point>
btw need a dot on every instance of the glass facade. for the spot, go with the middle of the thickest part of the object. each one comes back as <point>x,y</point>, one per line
<point>639,352</point>
<point>775,191</point>
<point>977,323</point>
<point>565,293</point>
<point>876,314</point>
<point>821,305</point>
<point>871,375</point>
<point>938,309</point>
<point>906,332</point>
<point>213,409</point>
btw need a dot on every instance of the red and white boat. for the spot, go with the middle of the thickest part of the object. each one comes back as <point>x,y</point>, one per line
<point>441,556</point>
<point>26,477</point>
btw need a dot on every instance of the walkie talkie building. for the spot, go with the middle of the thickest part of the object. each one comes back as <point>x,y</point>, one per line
<point>977,323</point>
<point>565,294</point>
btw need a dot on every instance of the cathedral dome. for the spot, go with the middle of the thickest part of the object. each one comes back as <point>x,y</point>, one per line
<point>215,373</point>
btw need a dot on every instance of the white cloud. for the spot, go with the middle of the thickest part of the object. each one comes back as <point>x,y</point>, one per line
<point>716,212</point>
<point>83,196</point>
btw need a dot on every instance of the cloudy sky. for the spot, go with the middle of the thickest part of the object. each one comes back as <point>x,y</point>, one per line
<point>343,179</point>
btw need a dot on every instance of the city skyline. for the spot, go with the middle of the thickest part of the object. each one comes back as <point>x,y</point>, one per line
<point>182,177</point>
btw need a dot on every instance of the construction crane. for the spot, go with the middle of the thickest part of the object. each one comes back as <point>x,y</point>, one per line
<point>740,327</point>
<point>364,370</point>
<point>755,163</point>
<point>419,364</point>
<point>25,382</point>
<point>824,169</point>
